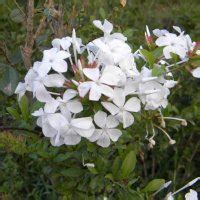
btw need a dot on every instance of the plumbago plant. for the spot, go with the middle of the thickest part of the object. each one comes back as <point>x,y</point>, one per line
<point>96,91</point>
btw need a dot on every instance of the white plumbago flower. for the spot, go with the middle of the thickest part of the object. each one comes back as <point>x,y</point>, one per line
<point>128,66</point>
<point>196,72</point>
<point>192,195</point>
<point>153,95</point>
<point>63,43</point>
<point>98,85</point>
<point>107,28</point>
<point>110,52</point>
<point>158,32</point>
<point>73,129</point>
<point>66,104</point>
<point>108,129</point>
<point>170,83</point>
<point>36,83</point>
<point>53,59</point>
<point>121,109</point>
<point>172,44</point>
<point>62,129</point>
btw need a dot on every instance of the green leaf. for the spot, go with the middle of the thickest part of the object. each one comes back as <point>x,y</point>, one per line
<point>17,15</point>
<point>158,52</point>
<point>116,166</point>
<point>13,112</point>
<point>102,13</point>
<point>9,81</point>
<point>72,172</point>
<point>62,157</point>
<point>128,32</point>
<point>158,70</point>
<point>148,56</point>
<point>154,185</point>
<point>128,165</point>
<point>23,104</point>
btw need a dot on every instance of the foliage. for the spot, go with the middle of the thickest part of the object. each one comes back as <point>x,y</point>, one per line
<point>31,168</point>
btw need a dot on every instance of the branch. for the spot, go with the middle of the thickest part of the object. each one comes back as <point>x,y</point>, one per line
<point>27,49</point>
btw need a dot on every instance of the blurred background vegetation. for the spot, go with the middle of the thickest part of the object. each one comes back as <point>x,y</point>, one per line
<point>30,168</point>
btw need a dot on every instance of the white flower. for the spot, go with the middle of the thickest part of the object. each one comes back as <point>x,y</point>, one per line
<point>111,51</point>
<point>53,58</point>
<point>128,66</point>
<point>74,129</point>
<point>62,129</point>
<point>196,72</point>
<point>121,109</point>
<point>158,32</point>
<point>66,104</point>
<point>192,195</point>
<point>64,43</point>
<point>106,27</point>
<point>108,129</point>
<point>172,44</point>
<point>153,95</point>
<point>98,85</point>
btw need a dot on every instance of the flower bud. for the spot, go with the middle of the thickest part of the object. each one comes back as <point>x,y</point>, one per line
<point>184,122</point>
<point>172,141</point>
<point>152,141</point>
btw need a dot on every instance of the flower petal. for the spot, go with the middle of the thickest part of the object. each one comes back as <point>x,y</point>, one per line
<point>48,130</point>
<point>91,73</point>
<point>60,66</point>
<point>119,97</point>
<point>111,122</point>
<point>51,107</point>
<point>53,80</point>
<point>114,134</point>
<point>133,105</point>
<point>69,94</point>
<point>95,92</point>
<point>83,88</point>
<point>128,119</point>
<point>82,123</point>
<point>61,55</point>
<point>43,69</point>
<point>42,94</point>
<point>85,132</point>
<point>95,136</point>
<point>71,137</point>
<point>74,106</point>
<point>196,72</point>
<point>104,140</point>
<point>110,107</point>
<point>107,91</point>
<point>57,121</point>
<point>100,119</point>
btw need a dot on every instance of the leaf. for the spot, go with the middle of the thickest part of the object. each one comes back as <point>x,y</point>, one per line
<point>72,172</point>
<point>62,157</point>
<point>17,16</point>
<point>158,70</point>
<point>116,166</point>
<point>148,56</point>
<point>158,52</point>
<point>154,185</point>
<point>128,165</point>
<point>128,32</point>
<point>9,81</point>
<point>102,13</point>
<point>123,3</point>
<point>13,112</point>
<point>23,104</point>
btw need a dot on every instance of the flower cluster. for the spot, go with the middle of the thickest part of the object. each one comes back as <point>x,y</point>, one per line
<point>93,90</point>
